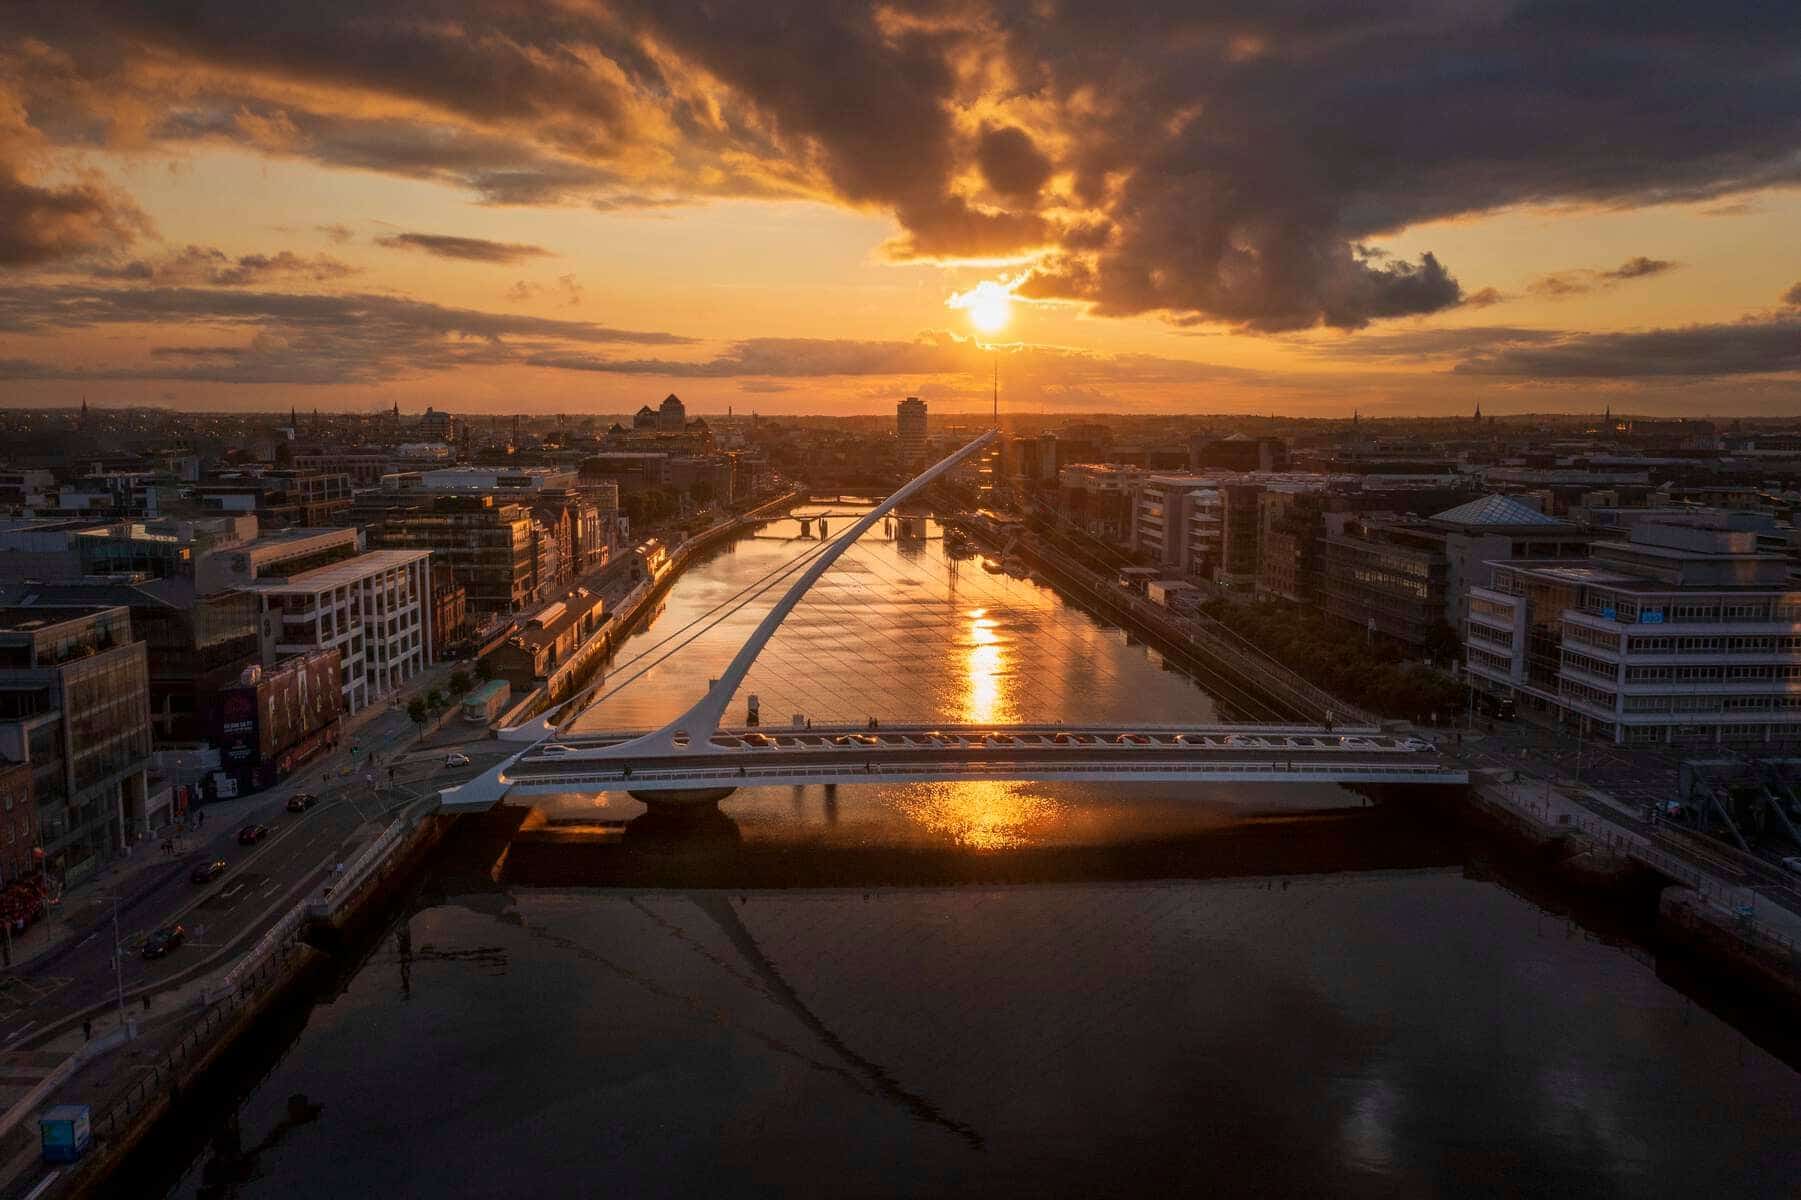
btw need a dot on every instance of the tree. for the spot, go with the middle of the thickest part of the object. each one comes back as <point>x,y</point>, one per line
<point>415,709</point>
<point>459,682</point>
<point>484,670</point>
<point>434,700</point>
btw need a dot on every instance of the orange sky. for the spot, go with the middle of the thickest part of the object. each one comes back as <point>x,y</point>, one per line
<point>343,216</point>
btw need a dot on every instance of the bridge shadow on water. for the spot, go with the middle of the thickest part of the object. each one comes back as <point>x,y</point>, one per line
<point>520,847</point>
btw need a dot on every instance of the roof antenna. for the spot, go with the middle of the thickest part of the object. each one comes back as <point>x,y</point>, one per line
<point>997,389</point>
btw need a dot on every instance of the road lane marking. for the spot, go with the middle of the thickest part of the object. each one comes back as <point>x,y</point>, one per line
<point>20,1031</point>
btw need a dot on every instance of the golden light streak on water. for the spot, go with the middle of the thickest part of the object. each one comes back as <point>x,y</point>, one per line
<point>981,816</point>
<point>982,672</point>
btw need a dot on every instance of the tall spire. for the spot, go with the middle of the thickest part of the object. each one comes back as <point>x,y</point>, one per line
<point>997,389</point>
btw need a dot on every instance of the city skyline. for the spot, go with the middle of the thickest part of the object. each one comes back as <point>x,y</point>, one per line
<point>822,211</point>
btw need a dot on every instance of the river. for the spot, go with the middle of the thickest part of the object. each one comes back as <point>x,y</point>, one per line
<point>1073,990</point>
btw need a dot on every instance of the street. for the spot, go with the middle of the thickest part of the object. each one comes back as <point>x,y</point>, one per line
<point>260,881</point>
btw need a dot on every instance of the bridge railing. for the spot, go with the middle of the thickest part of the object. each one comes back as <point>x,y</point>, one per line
<point>1300,769</point>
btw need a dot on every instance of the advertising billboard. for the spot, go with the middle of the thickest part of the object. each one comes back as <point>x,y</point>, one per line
<point>297,698</point>
<point>274,720</point>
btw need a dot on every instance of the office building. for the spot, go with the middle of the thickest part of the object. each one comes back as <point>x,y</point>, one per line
<point>910,433</point>
<point>374,609</point>
<point>1409,579</point>
<point>75,707</point>
<point>194,644</point>
<point>1683,634</point>
<point>487,544</point>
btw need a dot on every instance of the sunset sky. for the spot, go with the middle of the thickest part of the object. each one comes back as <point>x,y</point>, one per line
<point>1278,206</point>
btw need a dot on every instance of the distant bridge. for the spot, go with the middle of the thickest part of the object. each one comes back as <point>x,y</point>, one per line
<point>694,760</point>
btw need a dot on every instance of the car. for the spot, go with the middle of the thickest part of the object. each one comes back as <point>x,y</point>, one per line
<point>163,940</point>
<point>1792,864</point>
<point>1132,739</point>
<point>1413,744</point>
<point>301,801</point>
<point>757,740</point>
<point>456,760</point>
<point>250,835</point>
<point>553,748</point>
<point>208,871</point>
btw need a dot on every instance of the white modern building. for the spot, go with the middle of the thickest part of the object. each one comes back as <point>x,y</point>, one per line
<point>374,609</point>
<point>1684,634</point>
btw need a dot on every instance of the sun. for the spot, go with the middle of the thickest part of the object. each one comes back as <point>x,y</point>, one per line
<point>990,306</point>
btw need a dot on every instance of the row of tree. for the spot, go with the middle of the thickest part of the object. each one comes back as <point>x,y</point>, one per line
<point>1370,673</point>
<point>423,708</point>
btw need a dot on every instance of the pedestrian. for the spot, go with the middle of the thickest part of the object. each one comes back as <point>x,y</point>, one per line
<point>87,1029</point>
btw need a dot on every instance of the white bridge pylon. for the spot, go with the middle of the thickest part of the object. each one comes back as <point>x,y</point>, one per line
<point>691,732</point>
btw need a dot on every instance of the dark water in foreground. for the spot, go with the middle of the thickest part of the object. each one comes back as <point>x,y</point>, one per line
<point>1002,990</point>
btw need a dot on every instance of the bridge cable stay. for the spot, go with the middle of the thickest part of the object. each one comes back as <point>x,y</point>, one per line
<point>1074,630</point>
<point>689,732</point>
<point>910,656</point>
<point>735,603</point>
<point>1041,621</point>
<point>707,620</point>
<point>833,631</point>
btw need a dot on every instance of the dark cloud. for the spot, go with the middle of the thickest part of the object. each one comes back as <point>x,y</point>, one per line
<point>1011,161</point>
<point>1638,268</point>
<point>47,222</point>
<point>466,248</point>
<point>1582,280</point>
<point>338,233</point>
<point>1230,160</point>
<point>293,338</point>
<point>1755,346</point>
<point>1485,298</point>
<point>210,265</point>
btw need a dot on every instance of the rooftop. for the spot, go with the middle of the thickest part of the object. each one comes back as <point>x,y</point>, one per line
<point>339,574</point>
<point>1494,510</point>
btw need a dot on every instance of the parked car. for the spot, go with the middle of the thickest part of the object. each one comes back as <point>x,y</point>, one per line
<point>250,835</point>
<point>163,940</point>
<point>207,872</point>
<point>301,801</point>
<point>456,760</point>
<point>1792,864</point>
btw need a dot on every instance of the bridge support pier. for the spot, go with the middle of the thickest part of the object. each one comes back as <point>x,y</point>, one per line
<point>685,804</point>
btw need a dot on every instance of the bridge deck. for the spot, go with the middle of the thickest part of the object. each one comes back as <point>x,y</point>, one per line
<point>751,757</point>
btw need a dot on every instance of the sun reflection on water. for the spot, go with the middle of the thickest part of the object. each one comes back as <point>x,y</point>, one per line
<point>983,666</point>
<point>989,815</point>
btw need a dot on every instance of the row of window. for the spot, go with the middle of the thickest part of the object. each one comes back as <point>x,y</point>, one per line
<point>1604,639</point>
<point>1733,672</point>
<point>1494,637</point>
<point>1700,703</point>
<point>1593,666</point>
<point>1747,644</point>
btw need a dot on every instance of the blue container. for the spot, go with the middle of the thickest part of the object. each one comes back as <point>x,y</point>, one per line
<point>67,1131</point>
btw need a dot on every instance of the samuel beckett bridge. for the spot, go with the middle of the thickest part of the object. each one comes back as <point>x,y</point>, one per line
<point>865,640</point>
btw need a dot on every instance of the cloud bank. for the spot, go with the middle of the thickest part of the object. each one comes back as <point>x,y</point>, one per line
<point>1213,161</point>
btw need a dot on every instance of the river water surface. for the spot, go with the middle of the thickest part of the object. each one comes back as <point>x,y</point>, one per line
<point>986,989</point>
